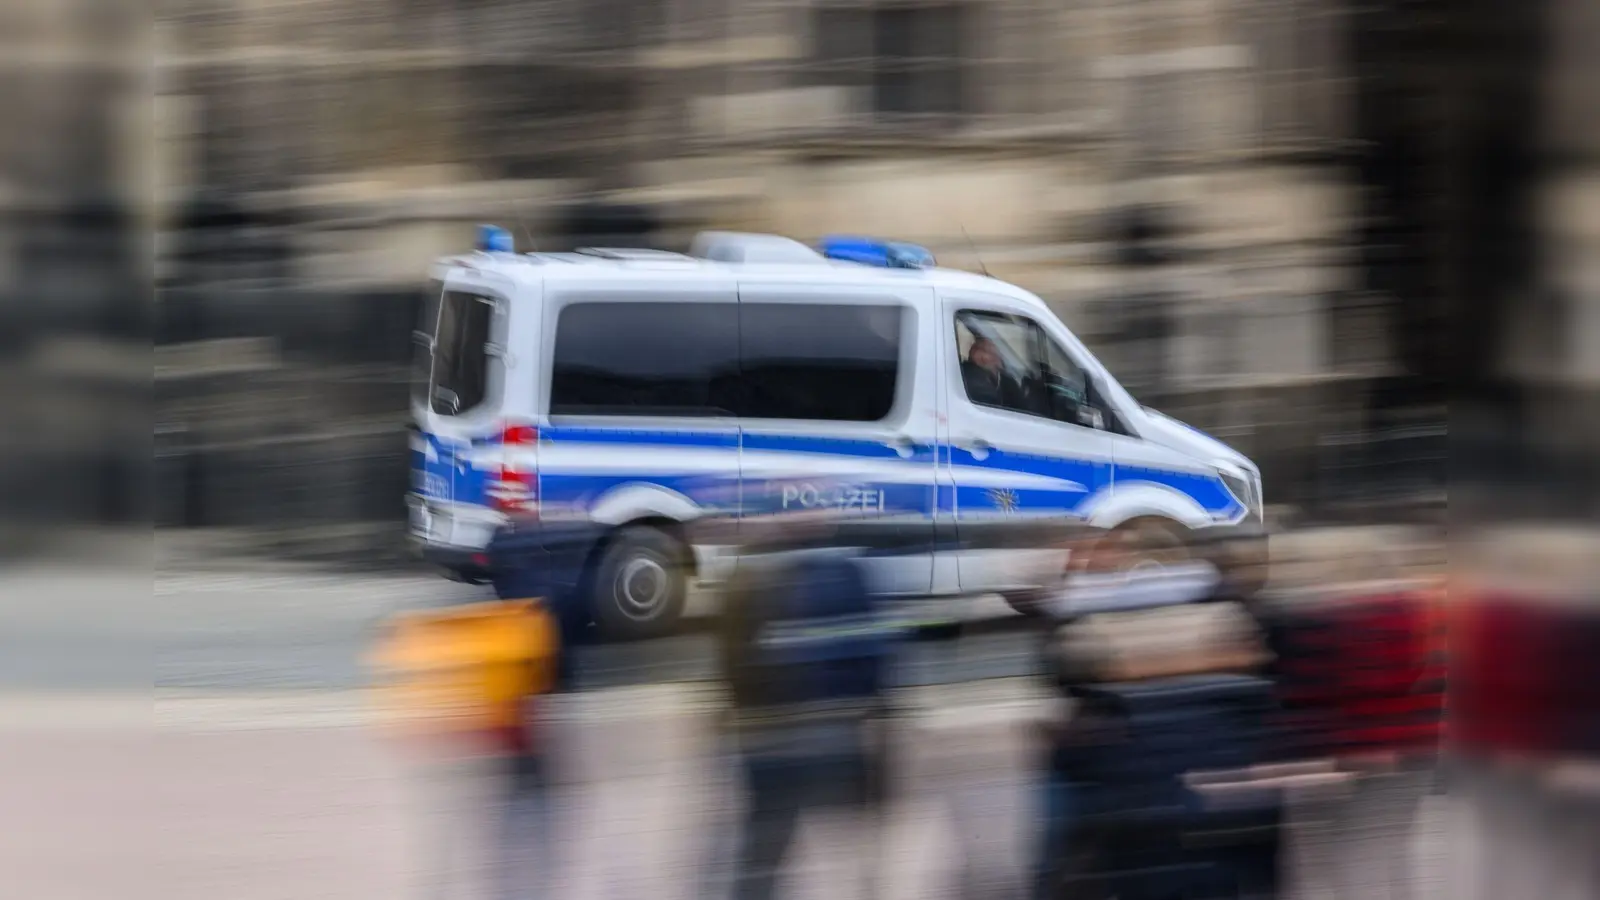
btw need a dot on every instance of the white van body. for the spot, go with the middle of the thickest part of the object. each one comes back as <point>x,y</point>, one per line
<point>644,389</point>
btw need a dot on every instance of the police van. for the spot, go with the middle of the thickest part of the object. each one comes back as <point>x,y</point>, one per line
<point>641,390</point>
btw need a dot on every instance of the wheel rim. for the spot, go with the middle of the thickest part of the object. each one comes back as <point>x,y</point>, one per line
<point>642,587</point>
<point>1145,564</point>
<point>1144,558</point>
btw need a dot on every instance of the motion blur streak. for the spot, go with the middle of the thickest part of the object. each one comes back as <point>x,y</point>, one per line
<point>1358,242</point>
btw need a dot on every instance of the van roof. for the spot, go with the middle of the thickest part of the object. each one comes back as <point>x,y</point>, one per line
<point>623,265</point>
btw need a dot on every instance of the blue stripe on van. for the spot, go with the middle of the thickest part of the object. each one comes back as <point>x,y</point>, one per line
<point>984,501</point>
<point>580,491</point>
<point>857,496</point>
<point>1208,492</point>
<point>1092,474</point>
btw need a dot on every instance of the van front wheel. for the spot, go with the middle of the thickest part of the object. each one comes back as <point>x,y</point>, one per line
<point>640,584</point>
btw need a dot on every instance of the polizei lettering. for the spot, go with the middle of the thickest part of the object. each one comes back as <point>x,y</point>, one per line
<point>848,497</point>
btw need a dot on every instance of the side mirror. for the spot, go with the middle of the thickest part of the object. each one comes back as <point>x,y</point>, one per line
<point>1096,408</point>
<point>1090,417</point>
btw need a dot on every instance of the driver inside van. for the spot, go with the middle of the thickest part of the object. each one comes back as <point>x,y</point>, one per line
<point>986,378</point>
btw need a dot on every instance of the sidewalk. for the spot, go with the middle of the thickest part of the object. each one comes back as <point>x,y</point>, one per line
<point>300,796</point>
<point>287,797</point>
<point>306,813</point>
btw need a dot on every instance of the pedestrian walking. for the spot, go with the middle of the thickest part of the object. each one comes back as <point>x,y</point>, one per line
<point>477,682</point>
<point>805,649</point>
<point>468,681</point>
<point>1151,667</point>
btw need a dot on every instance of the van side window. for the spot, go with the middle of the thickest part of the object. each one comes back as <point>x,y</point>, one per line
<point>460,371</point>
<point>819,362</point>
<point>1009,362</point>
<point>646,359</point>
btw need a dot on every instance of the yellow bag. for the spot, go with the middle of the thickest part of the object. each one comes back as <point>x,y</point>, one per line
<point>468,670</point>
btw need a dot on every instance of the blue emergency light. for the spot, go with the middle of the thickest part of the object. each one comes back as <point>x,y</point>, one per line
<point>870,252</point>
<point>494,239</point>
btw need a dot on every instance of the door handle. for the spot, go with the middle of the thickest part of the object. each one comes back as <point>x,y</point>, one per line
<point>903,445</point>
<point>977,446</point>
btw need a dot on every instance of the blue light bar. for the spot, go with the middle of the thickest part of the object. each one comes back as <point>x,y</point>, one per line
<point>870,252</point>
<point>494,239</point>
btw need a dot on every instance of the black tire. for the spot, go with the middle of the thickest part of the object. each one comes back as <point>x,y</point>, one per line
<point>1244,579</point>
<point>640,584</point>
<point>1025,603</point>
<point>1152,541</point>
<point>466,575</point>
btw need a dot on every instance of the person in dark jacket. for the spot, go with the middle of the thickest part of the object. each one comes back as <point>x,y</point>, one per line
<point>1101,579</point>
<point>1091,556</point>
<point>1103,583</point>
<point>804,651</point>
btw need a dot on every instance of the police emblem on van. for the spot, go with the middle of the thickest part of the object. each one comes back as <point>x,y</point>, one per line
<point>1004,499</point>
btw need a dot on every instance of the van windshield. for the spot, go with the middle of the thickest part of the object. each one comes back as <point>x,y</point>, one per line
<point>460,371</point>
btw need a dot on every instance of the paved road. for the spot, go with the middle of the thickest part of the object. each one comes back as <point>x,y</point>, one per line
<point>93,626</point>
<point>285,629</point>
<point>77,628</point>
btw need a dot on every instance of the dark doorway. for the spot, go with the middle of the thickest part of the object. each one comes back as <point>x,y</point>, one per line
<point>1448,117</point>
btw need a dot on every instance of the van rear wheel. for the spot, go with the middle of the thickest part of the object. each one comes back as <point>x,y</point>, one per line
<point>640,584</point>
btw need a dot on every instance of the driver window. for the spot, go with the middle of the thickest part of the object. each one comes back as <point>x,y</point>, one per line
<point>1009,362</point>
<point>1068,387</point>
<point>998,359</point>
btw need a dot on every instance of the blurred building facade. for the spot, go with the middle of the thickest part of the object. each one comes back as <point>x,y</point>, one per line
<point>74,285</point>
<point>1018,123</point>
<point>1192,184</point>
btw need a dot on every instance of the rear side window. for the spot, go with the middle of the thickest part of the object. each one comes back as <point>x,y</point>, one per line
<point>820,362</point>
<point>461,353</point>
<point>646,359</point>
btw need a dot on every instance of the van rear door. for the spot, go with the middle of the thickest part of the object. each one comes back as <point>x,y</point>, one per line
<point>460,422</point>
<point>430,476</point>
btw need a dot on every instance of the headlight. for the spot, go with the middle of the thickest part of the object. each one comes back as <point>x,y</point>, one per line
<point>1245,489</point>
